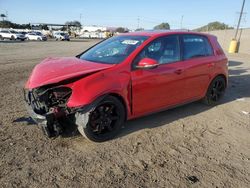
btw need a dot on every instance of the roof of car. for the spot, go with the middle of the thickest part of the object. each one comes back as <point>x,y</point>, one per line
<point>151,33</point>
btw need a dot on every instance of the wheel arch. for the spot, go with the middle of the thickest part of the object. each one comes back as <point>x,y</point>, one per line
<point>206,100</point>
<point>122,100</point>
<point>220,75</point>
<point>214,77</point>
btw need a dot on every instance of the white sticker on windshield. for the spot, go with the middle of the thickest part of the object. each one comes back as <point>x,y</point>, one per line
<point>130,42</point>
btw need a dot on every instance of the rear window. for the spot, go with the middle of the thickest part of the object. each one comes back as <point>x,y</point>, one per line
<point>196,46</point>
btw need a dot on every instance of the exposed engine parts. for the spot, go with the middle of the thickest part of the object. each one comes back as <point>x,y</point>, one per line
<point>49,103</point>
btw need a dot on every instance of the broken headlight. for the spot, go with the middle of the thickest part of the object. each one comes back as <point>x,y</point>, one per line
<point>43,99</point>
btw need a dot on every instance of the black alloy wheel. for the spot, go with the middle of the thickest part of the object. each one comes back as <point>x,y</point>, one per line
<point>106,120</point>
<point>215,91</point>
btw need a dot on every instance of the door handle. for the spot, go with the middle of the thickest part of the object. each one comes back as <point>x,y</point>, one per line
<point>178,71</point>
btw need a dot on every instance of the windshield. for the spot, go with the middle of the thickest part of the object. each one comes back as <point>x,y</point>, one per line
<point>113,50</point>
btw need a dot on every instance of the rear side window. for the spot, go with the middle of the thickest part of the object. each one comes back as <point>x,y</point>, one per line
<point>195,46</point>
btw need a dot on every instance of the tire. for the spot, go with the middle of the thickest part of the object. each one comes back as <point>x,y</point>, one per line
<point>38,39</point>
<point>215,91</point>
<point>104,121</point>
<point>12,38</point>
<point>1,38</point>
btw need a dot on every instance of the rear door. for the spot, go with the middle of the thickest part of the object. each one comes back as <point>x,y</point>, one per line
<point>199,60</point>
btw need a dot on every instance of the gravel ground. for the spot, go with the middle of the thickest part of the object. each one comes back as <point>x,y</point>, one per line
<point>189,146</point>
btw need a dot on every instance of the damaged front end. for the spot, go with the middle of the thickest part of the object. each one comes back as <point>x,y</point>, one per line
<point>47,107</point>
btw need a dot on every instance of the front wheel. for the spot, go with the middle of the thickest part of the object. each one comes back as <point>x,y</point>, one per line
<point>215,91</point>
<point>104,121</point>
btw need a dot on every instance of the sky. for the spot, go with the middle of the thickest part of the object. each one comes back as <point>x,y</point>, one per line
<point>132,14</point>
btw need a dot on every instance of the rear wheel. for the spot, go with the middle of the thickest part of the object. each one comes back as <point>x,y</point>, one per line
<point>1,38</point>
<point>215,91</point>
<point>104,121</point>
<point>12,38</point>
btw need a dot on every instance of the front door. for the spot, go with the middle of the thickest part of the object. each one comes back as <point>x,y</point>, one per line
<point>158,88</point>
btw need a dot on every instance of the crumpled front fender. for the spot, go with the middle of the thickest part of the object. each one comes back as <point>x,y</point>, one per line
<point>89,89</point>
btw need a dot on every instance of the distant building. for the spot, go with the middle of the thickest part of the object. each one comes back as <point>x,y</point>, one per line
<point>93,29</point>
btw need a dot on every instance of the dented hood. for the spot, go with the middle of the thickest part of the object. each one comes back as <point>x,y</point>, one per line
<point>53,70</point>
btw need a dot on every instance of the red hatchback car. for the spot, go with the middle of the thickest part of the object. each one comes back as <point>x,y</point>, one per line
<point>125,77</point>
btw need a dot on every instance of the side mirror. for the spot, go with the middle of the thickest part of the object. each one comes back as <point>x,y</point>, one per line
<point>147,63</point>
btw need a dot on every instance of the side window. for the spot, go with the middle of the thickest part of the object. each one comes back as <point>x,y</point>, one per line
<point>164,50</point>
<point>196,46</point>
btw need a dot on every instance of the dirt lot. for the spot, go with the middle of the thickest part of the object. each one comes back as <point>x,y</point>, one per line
<point>189,146</point>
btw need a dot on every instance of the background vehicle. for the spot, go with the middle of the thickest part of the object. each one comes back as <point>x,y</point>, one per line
<point>22,32</point>
<point>36,36</point>
<point>126,77</point>
<point>61,36</point>
<point>12,35</point>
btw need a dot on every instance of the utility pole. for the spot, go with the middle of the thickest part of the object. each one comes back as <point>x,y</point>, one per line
<point>6,14</point>
<point>138,23</point>
<point>181,21</point>
<point>238,25</point>
<point>235,44</point>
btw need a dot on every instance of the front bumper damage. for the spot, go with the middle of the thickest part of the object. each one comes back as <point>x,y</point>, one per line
<point>49,121</point>
<point>53,118</point>
<point>52,121</point>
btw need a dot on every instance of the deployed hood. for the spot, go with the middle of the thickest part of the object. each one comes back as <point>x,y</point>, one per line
<point>53,70</point>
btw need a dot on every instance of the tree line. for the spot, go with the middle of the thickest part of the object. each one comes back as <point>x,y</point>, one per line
<point>163,26</point>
